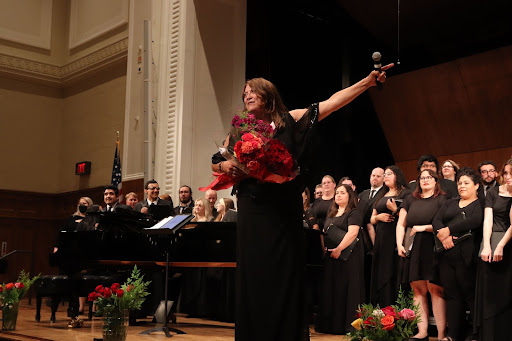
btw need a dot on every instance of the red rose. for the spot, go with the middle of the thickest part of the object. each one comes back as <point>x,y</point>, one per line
<point>369,322</point>
<point>358,314</point>
<point>19,285</point>
<point>247,147</point>
<point>388,322</point>
<point>253,165</point>
<point>99,288</point>
<point>389,311</point>
<point>9,286</point>
<point>93,296</point>
<point>119,292</point>
<point>107,293</point>
<point>130,287</point>
<point>115,286</point>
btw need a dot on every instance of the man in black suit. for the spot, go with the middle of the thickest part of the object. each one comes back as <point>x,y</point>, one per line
<point>111,199</point>
<point>430,162</point>
<point>366,201</point>
<point>152,190</point>
<point>186,202</point>
<point>487,170</point>
<point>368,196</point>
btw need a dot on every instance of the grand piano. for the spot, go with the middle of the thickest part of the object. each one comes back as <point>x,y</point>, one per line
<point>123,240</point>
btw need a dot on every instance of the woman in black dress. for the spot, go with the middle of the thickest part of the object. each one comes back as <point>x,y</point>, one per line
<point>454,220</point>
<point>493,309</point>
<point>270,261</point>
<point>417,263</point>
<point>343,282</point>
<point>385,284</point>
<point>322,205</point>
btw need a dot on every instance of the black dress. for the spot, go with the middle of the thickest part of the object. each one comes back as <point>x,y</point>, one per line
<point>457,265</point>
<point>343,282</point>
<point>420,264</point>
<point>493,308</point>
<point>270,252</point>
<point>320,209</point>
<point>385,282</point>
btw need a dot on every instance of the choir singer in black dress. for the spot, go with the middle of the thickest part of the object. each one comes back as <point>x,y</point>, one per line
<point>385,284</point>
<point>270,254</point>
<point>343,281</point>
<point>459,218</point>
<point>493,309</point>
<point>417,262</point>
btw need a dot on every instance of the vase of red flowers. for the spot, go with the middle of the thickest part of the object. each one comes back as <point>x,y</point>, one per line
<point>10,316</point>
<point>115,323</point>
<point>10,296</point>
<point>115,301</point>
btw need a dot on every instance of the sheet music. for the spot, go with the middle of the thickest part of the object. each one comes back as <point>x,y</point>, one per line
<point>160,223</point>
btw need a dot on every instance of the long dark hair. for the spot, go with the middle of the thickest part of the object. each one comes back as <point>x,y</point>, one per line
<point>437,189</point>
<point>273,103</point>
<point>352,201</point>
<point>400,182</point>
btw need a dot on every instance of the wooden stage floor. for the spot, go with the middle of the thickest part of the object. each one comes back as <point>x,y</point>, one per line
<point>27,329</point>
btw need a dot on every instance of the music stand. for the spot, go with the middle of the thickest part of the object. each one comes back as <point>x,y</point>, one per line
<point>168,226</point>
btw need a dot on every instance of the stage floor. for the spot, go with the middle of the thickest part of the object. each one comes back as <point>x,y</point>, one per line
<point>27,329</point>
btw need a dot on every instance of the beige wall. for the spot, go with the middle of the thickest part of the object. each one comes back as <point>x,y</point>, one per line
<point>90,121</point>
<point>54,117</point>
<point>31,134</point>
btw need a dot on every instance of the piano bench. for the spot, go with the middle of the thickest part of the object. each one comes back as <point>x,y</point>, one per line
<point>88,284</point>
<point>54,286</point>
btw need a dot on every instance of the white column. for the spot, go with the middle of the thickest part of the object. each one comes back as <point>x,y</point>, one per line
<point>201,72</point>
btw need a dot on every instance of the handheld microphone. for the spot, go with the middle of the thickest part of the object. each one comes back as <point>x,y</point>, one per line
<point>377,65</point>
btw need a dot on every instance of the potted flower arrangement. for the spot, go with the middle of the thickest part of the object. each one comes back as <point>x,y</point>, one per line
<point>115,301</point>
<point>392,323</point>
<point>10,296</point>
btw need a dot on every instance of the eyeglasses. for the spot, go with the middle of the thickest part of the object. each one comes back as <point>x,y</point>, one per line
<point>153,188</point>
<point>426,178</point>
<point>388,174</point>
<point>491,171</point>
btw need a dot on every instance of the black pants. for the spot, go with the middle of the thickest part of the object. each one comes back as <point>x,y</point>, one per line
<point>458,280</point>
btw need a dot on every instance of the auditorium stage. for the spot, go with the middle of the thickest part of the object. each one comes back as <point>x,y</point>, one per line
<point>28,329</point>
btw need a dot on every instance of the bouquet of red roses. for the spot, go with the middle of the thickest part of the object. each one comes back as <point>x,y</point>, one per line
<point>392,323</point>
<point>255,153</point>
<point>130,295</point>
<point>13,292</point>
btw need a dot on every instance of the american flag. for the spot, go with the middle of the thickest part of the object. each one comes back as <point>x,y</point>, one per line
<point>116,172</point>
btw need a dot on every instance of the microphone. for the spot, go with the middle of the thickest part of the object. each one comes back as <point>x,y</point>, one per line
<point>377,65</point>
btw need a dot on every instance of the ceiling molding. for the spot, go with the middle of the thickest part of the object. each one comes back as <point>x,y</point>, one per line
<point>61,76</point>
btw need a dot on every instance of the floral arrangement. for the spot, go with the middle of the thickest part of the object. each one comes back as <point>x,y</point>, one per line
<point>255,152</point>
<point>11,293</point>
<point>393,323</point>
<point>129,296</point>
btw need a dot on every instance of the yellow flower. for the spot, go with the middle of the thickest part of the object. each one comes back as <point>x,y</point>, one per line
<point>357,324</point>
